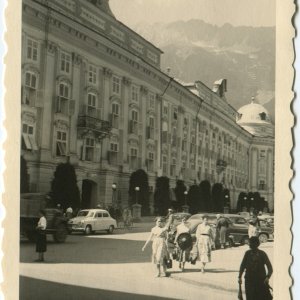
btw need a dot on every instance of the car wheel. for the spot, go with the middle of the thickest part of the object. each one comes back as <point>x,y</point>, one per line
<point>110,230</point>
<point>263,238</point>
<point>88,230</point>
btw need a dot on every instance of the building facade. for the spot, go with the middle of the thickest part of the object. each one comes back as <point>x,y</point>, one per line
<point>93,94</point>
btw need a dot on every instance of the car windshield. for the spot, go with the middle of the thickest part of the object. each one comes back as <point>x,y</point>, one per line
<point>85,213</point>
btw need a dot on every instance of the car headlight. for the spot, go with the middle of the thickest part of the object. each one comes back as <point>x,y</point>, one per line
<point>81,222</point>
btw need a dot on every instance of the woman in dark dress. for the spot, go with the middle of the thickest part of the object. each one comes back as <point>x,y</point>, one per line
<point>256,278</point>
<point>41,242</point>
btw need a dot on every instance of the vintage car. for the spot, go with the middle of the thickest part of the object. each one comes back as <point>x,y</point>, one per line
<point>90,220</point>
<point>237,231</point>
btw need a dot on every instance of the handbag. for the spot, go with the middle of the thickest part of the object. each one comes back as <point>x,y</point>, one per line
<point>240,293</point>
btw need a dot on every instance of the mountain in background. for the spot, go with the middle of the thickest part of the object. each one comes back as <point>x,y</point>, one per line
<point>195,50</point>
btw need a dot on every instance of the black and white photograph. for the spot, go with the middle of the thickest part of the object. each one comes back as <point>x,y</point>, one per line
<point>148,149</point>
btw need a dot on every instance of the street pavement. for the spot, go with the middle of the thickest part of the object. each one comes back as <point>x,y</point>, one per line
<point>105,266</point>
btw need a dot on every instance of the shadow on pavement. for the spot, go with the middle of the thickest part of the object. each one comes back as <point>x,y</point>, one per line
<point>89,251</point>
<point>36,289</point>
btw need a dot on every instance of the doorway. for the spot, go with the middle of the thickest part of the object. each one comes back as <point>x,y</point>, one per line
<point>88,195</point>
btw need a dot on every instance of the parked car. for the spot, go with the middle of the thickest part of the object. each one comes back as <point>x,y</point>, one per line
<point>90,220</point>
<point>237,230</point>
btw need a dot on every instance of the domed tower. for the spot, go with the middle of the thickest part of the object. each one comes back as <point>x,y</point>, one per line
<point>255,119</point>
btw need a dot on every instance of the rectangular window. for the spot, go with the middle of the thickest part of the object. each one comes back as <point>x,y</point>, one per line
<point>151,128</point>
<point>32,50</point>
<point>116,85</point>
<point>92,105</point>
<point>164,164</point>
<point>61,143</point>
<point>115,115</point>
<point>30,90</point>
<point>65,62</point>
<point>165,109</point>
<point>150,162</point>
<point>133,163</point>
<point>62,105</point>
<point>92,74</point>
<point>173,167</point>
<point>134,122</point>
<point>184,145</point>
<point>89,149</point>
<point>28,138</point>
<point>134,93</point>
<point>113,153</point>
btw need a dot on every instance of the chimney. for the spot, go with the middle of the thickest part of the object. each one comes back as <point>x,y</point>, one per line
<point>220,87</point>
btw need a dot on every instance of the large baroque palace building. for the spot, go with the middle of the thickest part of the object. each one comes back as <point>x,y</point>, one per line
<point>93,94</point>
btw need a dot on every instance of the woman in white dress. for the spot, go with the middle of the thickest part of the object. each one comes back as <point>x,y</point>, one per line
<point>158,237</point>
<point>204,237</point>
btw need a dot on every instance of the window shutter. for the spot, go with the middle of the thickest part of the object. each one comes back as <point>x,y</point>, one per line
<point>57,104</point>
<point>148,132</point>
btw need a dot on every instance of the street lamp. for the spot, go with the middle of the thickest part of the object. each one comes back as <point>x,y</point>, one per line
<point>226,200</point>
<point>114,188</point>
<point>185,196</point>
<point>137,189</point>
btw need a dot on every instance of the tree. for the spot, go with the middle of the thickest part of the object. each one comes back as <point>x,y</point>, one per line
<point>242,202</point>
<point>217,195</point>
<point>257,201</point>
<point>205,197</point>
<point>162,199</point>
<point>64,189</point>
<point>139,178</point>
<point>194,196</point>
<point>179,193</point>
<point>24,185</point>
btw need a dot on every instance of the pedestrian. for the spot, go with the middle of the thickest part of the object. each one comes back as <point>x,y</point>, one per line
<point>222,226</point>
<point>254,225</point>
<point>160,253</point>
<point>41,241</point>
<point>118,215</point>
<point>256,279</point>
<point>69,213</point>
<point>127,218</point>
<point>183,255</point>
<point>204,236</point>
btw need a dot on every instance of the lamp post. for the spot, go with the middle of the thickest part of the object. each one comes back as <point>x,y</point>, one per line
<point>251,204</point>
<point>185,197</point>
<point>137,189</point>
<point>185,207</point>
<point>114,188</point>
<point>226,200</point>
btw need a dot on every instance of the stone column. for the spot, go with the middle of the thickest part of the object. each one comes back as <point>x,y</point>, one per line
<point>106,105</point>
<point>253,166</point>
<point>269,181</point>
<point>144,119</point>
<point>49,101</point>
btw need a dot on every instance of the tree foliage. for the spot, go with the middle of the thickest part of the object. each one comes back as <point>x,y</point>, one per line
<point>217,195</point>
<point>179,193</point>
<point>162,200</point>
<point>64,189</point>
<point>194,199</point>
<point>139,178</point>
<point>241,203</point>
<point>205,197</point>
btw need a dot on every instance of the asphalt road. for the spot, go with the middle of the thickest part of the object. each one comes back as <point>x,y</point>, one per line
<point>104,266</point>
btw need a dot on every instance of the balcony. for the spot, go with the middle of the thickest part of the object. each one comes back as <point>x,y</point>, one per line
<point>100,127</point>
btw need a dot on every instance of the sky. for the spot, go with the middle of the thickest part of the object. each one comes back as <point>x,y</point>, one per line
<point>217,12</point>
